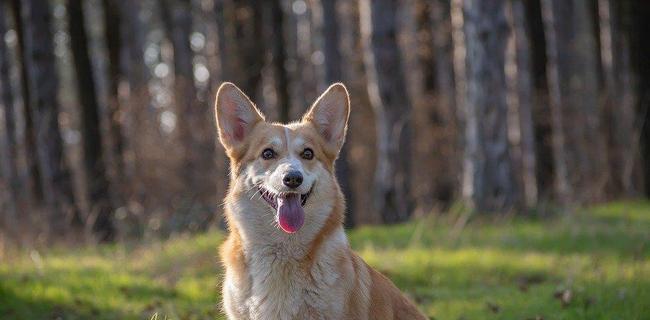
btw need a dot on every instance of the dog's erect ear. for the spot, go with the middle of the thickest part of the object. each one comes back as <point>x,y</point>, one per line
<point>330,114</point>
<point>236,115</point>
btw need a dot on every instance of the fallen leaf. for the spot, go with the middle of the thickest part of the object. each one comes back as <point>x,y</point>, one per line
<point>589,301</point>
<point>525,281</point>
<point>495,308</point>
<point>565,296</point>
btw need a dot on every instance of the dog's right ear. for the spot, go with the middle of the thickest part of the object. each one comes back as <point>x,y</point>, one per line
<point>330,114</point>
<point>236,115</point>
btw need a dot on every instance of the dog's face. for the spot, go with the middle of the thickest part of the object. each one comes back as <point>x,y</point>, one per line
<point>282,175</point>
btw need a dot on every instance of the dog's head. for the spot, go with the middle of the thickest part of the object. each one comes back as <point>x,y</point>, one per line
<point>282,175</point>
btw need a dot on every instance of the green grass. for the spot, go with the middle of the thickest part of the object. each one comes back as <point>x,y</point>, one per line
<point>508,268</point>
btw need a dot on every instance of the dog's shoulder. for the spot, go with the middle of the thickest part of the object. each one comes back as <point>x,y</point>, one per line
<point>232,256</point>
<point>388,302</point>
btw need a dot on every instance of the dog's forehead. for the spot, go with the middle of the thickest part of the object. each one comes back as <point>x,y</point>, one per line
<point>270,133</point>
<point>293,135</point>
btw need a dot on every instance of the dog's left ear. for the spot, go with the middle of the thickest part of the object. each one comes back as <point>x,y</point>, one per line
<point>330,114</point>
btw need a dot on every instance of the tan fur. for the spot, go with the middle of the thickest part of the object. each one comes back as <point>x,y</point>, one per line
<point>312,274</point>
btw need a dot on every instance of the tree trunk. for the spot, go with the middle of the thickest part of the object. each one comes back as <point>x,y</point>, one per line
<point>443,116</point>
<point>250,44</point>
<point>409,17</point>
<point>132,33</point>
<point>31,157</point>
<point>302,60</point>
<point>542,119</point>
<point>443,52</point>
<point>43,89</point>
<point>459,54</point>
<point>114,111</point>
<point>8,144</point>
<point>308,59</point>
<point>641,10</point>
<point>389,99</point>
<point>326,20</point>
<point>621,99</point>
<point>580,155</point>
<point>223,11</point>
<point>488,172</point>
<point>521,88</point>
<point>241,43</point>
<point>273,16</point>
<point>93,163</point>
<point>193,126</point>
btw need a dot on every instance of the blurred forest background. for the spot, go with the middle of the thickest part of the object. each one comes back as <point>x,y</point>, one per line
<point>508,106</point>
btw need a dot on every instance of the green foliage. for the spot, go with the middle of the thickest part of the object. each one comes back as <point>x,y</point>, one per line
<point>592,264</point>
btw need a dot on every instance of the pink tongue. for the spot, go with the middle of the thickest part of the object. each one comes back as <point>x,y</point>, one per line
<point>290,213</point>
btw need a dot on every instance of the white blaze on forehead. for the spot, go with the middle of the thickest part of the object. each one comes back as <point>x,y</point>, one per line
<point>287,136</point>
<point>295,142</point>
<point>294,162</point>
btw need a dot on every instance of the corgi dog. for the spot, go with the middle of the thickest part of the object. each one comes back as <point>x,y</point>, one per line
<point>286,255</point>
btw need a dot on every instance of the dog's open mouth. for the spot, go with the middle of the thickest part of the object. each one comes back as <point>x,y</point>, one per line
<point>272,198</point>
<point>289,208</point>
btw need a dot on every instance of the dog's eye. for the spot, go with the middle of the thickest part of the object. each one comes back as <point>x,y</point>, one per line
<point>268,154</point>
<point>307,154</point>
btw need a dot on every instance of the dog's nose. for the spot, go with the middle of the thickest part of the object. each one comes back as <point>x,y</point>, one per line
<point>293,179</point>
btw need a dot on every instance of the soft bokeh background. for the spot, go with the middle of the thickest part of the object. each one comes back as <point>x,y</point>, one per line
<point>501,149</point>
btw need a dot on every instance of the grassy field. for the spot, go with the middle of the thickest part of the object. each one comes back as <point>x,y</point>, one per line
<point>593,264</point>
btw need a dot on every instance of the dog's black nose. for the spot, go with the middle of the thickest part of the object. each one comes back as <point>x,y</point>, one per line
<point>293,179</point>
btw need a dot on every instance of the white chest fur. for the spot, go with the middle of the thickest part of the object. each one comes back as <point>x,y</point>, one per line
<point>279,287</point>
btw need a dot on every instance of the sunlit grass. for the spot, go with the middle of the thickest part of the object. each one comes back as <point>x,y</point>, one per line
<point>174,279</point>
<point>592,264</point>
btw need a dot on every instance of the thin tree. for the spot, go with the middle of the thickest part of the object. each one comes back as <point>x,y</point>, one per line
<point>44,106</point>
<point>409,17</point>
<point>579,149</point>
<point>193,127</point>
<point>241,43</point>
<point>640,31</point>
<point>443,52</point>
<point>132,34</point>
<point>114,111</point>
<point>521,88</point>
<point>307,39</point>
<point>542,119</point>
<point>273,16</point>
<point>8,143</point>
<point>97,187</point>
<point>446,180</point>
<point>327,20</point>
<point>33,172</point>
<point>389,99</point>
<point>177,22</point>
<point>488,181</point>
<point>621,96</point>
<point>223,12</point>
